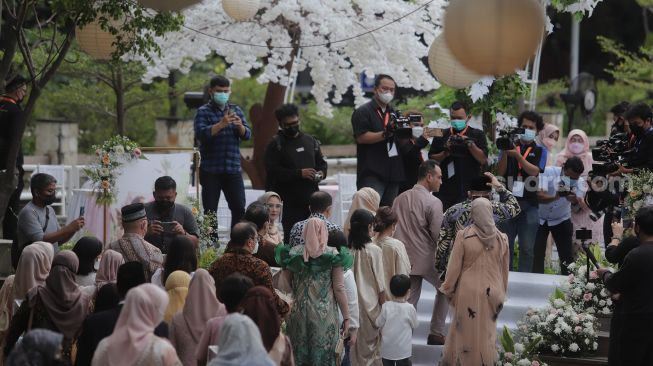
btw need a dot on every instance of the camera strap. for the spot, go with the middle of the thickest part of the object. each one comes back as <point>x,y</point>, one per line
<point>461,133</point>
<point>528,151</point>
<point>385,119</point>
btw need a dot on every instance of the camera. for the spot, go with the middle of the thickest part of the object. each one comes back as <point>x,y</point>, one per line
<point>318,177</point>
<point>457,146</point>
<point>506,139</point>
<point>610,153</point>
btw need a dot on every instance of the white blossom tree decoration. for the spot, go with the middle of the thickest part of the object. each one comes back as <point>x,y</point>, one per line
<point>339,39</point>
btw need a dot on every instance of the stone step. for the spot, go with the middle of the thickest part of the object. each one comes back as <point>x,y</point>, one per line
<point>572,361</point>
<point>604,344</point>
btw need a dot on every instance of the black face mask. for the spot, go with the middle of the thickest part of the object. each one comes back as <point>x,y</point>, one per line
<point>49,199</point>
<point>637,130</point>
<point>291,131</point>
<point>164,205</point>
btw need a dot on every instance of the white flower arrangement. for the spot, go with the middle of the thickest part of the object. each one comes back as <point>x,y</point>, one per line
<point>584,296</point>
<point>517,354</point>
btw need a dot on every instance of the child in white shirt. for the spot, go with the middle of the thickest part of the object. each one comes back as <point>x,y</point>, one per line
<point>397,321</point>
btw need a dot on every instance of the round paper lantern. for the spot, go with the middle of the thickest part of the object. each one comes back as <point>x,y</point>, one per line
<point>240,9</point>
<point>95,41</point>
<point>494,37</point>
<point>168,5</point>
<point>446,68</point>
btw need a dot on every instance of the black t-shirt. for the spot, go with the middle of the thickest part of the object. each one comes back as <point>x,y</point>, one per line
<point>536,156</point>
<point>411,152</point>
<point>642,155</point>
<point>285,158</point>
<point>464,169</point>
<point>10,112</point>
<point>374,159</point>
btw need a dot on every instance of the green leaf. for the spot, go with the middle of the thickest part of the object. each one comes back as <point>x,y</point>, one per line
<point>532,346</point>
<point>557,294</point>
<point>507,342</point>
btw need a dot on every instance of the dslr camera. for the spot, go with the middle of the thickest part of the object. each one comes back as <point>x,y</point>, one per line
<point>506,139</point>
<point>610,153</point>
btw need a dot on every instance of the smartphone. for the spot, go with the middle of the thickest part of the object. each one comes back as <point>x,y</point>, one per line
<point>168,226</point>
<point>81,211</point>
<point>584,234</point>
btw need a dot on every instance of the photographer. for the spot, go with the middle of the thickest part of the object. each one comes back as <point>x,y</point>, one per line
<point>461,151</point>
<point>520,167</point>
<point>619,125</point>
<point>379,165</point>
<point>560,187</point>
<point>639,117</point>
<point>295,165</point>
<point>410,142</point>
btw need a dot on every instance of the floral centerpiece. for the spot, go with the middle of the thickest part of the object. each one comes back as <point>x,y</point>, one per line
<point>517,354</point>
<point>207,222</point>
<point>640,192</point>
<point>111,155</point>
<point>563,330</point>
<point>583,295</point>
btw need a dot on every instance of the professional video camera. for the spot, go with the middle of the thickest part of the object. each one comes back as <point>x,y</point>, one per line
<point>506,139</point>
<point>400,122</point>
<point>609,153</point>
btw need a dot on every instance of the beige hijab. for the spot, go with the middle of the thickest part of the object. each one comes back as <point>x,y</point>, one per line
<point>366,198</point>
<point>177,289</point>
<point>316,236</point>
<point>33,268</point>
<point>483,222</point>
<point>108,270</point>
<point>201,304</point>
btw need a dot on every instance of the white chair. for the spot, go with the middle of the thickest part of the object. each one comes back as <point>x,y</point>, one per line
<point>346,188</point>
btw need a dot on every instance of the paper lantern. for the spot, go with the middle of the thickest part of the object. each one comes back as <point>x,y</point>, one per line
<point>95,41</point>
<point>240,9</point>
<point>168,5</point>
<point>446,68</point>
<point>494,37</point>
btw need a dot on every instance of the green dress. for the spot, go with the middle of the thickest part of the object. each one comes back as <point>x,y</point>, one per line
<point>313,325</point>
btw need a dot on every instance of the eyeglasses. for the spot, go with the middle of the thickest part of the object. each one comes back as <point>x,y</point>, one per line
<point>275,205</point>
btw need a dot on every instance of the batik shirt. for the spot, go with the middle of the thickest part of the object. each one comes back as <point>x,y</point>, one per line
<point>297,231</point>
<point>134,248</point>
<point>459,216</point>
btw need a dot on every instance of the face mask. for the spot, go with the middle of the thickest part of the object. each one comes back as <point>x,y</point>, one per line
<point>49,199</point>
<point>549,143</point>
<point>255,247</point>
<point>576,147</point>
<point>637,130</point>
<point>458,124</point>
<point>221,98</point>
<point>529,135</point>
<point>163,205</point>
<point>291,131</point>
<point>418,131</point>
<point>385,98</point>
<point>96,264</point>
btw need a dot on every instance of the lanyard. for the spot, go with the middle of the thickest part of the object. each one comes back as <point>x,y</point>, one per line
<point>461,133</point>
<point>385,119</point>
<point>528,151</point>
<point>7,99</point>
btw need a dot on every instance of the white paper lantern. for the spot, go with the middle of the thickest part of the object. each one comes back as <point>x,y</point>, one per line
<point>95,41</point>
<point>168,5</point>
<point>241,9</point>
<point>494,37</point>
<point>446,68</point>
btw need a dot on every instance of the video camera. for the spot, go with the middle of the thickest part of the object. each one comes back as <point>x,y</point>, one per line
<point>400,122</point>
<point>610,153</point>
<point>506,139</point>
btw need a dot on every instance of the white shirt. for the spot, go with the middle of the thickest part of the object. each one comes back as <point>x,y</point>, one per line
<point>397,321</point>
<point>352,300</point>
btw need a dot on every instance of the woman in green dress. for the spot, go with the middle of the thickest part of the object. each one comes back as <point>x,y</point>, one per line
<point>317,282</point>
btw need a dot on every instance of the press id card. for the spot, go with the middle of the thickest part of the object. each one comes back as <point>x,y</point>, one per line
<point>518,188</point>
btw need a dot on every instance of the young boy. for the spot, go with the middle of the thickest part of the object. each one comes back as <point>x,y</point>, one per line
<point>397,321</point>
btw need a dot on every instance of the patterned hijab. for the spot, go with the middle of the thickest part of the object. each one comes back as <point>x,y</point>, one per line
<point>108,270</point>
<point>316,236</point>
<point>61,297</point>
<point>33,268</point>
<point>366,198</point>
<point>177,289</point>
<point>201,304</point>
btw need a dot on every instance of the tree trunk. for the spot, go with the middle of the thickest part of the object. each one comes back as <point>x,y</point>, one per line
<point>172,94</point>
<point>120,101</point>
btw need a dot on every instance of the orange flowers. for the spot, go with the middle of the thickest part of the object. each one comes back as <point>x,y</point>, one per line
<point>105,159</point>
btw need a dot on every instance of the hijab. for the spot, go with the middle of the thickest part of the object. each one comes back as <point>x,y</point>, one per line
<point>177,288</point>
<point>108,270</point>
<point>61,297</point>
<point>240,344</point>
<point>266,196</point>
<point>483,222</point>
<point>201,304</point>
<point>316,236</point>
<point>39,347</point>
<point>6,303</point>
<point>33,268</point>
<point>366,198</point>
<point>141,313</point>
<point>544,139</point>
<point>259,305</point>
<point>585,155</point>
<point>87,249</point>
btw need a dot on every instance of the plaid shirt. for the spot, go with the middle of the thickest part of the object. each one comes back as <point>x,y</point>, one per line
<point>220,153</point>
<point>459,216</point>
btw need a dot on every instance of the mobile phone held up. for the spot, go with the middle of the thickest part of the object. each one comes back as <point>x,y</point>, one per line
<point>168,226</point>
<point>81,211</point>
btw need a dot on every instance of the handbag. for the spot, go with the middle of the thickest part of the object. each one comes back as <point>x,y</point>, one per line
<point>340,349</point>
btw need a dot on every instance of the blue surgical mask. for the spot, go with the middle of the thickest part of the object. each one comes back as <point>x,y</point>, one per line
<point>458,124</point>
<point>221,98</point>
<point>528,135</point>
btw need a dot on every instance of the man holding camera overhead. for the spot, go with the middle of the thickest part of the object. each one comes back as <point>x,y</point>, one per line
<point>520,163</point>
<point>379,164</point>
<point>461,151</point>
<point>295,165</point>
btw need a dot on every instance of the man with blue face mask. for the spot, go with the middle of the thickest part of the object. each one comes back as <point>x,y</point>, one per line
<point>560,187</point>
<point>219,128</point>
<point>461,152</point>
<point>520,168</point>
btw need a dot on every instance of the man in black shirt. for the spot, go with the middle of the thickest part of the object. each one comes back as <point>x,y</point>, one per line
<point>520,167</point>
<point>410,142</point>
<point>634,284</point>
<point>379,165</point>
<point>461,151</point>
<point>294,165</point>
<point>10,115</point>
<point>639,117</point>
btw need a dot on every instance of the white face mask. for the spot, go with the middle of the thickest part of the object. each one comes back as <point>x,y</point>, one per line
<point>96,264</point>
<point>386,98</point>
<point>255,250</point>
<point>418,131</point>
<point>576,147</point>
